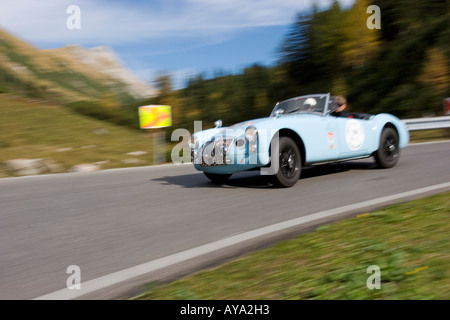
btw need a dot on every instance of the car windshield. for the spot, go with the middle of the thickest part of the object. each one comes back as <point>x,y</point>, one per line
<point>310,103</point>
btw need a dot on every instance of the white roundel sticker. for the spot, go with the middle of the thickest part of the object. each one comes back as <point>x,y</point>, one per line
<point>354,134</point>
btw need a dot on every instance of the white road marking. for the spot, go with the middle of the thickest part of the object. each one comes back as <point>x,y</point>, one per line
<point>139,270</point>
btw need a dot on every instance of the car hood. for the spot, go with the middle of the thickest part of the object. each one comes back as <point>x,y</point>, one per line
<point>267,123</point>
<point>248,123</point>
<point>271,122</point>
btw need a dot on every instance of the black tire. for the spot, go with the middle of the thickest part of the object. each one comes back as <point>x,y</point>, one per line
<point>289,162</point>
<point>217,178</point>
<point>388,153</point>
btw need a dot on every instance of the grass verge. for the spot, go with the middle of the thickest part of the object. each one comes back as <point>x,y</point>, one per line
<point>409,242</point>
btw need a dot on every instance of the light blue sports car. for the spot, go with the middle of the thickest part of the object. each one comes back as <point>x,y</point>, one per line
<point>301,131</point>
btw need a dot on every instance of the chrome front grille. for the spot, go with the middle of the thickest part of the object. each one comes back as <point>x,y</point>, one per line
<point>214,153</point>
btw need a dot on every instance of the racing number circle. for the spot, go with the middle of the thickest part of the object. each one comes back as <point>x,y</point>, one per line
<point>354,134</point>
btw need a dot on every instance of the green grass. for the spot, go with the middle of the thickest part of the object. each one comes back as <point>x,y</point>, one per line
<point>69,80</point>
<point>37,130</point>
<point>409,242</point>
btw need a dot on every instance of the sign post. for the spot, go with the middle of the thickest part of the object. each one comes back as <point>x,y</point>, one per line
<point>155,117</point>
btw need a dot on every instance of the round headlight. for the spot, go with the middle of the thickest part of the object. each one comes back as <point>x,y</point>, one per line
<point>251,134</point>
<point>194,142</point>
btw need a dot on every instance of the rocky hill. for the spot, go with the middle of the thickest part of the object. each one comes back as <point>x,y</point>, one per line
<point>66,74</point>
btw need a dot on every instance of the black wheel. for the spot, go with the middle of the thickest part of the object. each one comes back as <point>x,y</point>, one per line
<point>217,178</point>
<point>289,162</point>
<point>388,153</point>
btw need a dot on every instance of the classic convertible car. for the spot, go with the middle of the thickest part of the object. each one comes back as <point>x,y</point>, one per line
<point>301,131</point>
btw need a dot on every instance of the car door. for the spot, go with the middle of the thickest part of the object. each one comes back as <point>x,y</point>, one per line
<point>352,136</point>
<point>320,133</point>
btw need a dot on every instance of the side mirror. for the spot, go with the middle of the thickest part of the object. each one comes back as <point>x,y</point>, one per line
<point>278,113</point>
<point>218,124</point>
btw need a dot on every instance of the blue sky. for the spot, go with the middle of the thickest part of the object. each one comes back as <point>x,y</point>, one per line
<point>180,37</point>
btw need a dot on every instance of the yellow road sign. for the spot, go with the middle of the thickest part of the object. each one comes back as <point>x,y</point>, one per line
<point>155,116</point>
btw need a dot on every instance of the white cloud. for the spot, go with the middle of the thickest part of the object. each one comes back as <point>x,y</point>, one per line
<point>113,22</point>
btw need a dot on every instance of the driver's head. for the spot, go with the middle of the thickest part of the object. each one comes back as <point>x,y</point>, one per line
<point>310,104</point>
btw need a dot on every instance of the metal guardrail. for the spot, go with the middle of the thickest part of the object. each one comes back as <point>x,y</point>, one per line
<point>427,123</point>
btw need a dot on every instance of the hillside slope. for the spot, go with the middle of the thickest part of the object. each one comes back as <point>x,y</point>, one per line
<point>66,74</point>
<point>37,130</point>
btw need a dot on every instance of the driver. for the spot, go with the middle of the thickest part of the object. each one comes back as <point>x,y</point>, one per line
<point>338,107</point>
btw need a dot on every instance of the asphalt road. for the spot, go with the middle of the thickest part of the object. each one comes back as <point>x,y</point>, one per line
<point>111,220</point>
